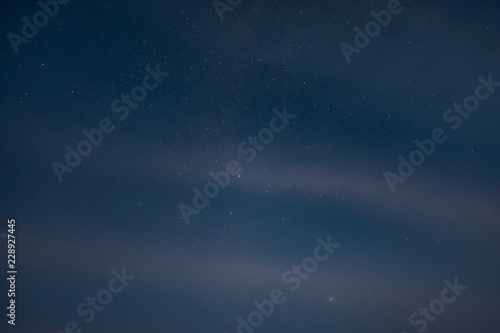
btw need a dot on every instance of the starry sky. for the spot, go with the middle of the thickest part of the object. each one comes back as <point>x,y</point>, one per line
<point>206,91</point>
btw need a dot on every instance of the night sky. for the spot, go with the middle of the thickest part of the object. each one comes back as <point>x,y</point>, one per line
<point>251,166</point>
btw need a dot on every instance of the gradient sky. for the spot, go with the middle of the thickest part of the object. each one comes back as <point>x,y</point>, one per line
<point>322,175</point>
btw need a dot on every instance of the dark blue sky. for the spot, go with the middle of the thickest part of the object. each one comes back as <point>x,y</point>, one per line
<point>321,173</point>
